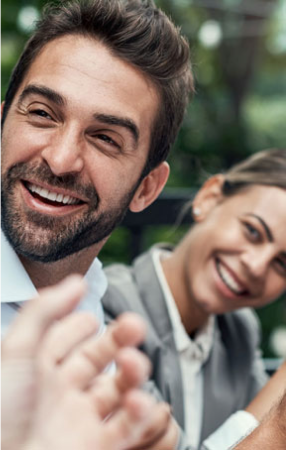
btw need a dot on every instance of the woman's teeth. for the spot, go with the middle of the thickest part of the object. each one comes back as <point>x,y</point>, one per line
<point>52,196</point>
<point>228,279</point>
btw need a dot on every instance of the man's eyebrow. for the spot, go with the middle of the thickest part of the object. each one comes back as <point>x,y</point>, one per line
<point>59,100</point>
<point>265,226</point>
<point>50,94</point>
<point>121,122</point>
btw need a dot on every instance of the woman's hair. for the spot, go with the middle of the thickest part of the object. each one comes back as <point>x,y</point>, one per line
<point>267,167</point>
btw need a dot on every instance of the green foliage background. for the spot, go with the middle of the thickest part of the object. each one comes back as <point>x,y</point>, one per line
<point>239,106</point>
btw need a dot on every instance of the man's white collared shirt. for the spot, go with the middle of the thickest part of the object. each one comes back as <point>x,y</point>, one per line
<point>17,287</point>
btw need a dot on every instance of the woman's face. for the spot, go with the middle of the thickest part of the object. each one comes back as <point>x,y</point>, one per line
<point>235,255</point>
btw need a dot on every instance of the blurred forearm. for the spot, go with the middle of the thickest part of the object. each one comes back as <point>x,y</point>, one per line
<point>271,434</point>
<point>269,395</point>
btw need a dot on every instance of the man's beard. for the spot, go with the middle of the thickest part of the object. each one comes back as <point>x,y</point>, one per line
<point>46,238</point>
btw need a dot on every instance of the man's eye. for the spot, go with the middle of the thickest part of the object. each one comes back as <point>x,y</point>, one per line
<point>105,138</point>
<point>106,142</point>
<point>40,113</point>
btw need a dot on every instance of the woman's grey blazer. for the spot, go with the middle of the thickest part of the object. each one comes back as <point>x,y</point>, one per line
<point>234,371</point>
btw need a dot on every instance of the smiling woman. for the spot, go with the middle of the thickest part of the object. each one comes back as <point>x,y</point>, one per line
<point>203,337</point>
<point>235,255</point>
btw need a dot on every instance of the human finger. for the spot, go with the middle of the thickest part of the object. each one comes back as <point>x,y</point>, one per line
<point>18,399</point>
<point>133,368</point>
<point>95,354</point>
<point>156,429</point>
<point>167,441</point>
<point>66,335</point>
<point>36,317</point>
<point>130,421</point>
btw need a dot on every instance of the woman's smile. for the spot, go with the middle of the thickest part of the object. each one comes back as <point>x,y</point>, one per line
<point>230,279</point>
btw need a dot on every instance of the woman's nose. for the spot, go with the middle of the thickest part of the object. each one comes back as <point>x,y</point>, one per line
<point>257,261</point>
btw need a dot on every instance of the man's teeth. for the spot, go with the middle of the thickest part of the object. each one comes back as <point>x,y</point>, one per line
<point>229,280</point>
<point>53,196</point>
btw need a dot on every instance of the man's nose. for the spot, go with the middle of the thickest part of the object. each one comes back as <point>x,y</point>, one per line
<point>64,154</point>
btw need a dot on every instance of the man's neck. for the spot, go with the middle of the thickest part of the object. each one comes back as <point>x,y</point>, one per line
<point>48,274</point>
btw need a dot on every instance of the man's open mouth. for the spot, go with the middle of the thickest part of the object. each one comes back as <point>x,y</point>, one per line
<point>51,197</point>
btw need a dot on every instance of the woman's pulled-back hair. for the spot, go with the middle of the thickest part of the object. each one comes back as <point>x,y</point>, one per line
<point>267,167</point>
<point>135,31</point>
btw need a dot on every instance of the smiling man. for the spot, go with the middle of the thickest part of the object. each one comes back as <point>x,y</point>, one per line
<point>93,106</point>
<point>74,166</point>
<point>92,109</point>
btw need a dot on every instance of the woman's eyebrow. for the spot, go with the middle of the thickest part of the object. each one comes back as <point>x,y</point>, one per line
<point>265,226</point>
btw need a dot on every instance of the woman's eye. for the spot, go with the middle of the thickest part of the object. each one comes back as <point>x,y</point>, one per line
<point>252,232</point>
<point>281,263</point>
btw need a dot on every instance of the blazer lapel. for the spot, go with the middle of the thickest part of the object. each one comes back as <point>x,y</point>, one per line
<point>167,367</point>
<point>224,376</point>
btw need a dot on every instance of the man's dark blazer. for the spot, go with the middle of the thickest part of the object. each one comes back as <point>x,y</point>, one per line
<point>234,371</point>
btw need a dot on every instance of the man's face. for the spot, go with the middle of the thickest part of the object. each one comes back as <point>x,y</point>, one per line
<point>75,142</point>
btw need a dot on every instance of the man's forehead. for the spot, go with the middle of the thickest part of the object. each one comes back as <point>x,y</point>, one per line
<point>91,58</point>
<point>63,49</point>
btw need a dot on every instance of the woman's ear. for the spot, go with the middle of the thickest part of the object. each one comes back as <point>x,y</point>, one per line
<point>150,187</point>
<point>208,197</point>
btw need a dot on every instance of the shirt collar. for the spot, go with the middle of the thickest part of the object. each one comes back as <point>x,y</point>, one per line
<point>201,345</point>
<point>16,285</point>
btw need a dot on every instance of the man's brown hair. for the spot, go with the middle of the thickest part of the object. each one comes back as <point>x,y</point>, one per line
<point>135,31</point>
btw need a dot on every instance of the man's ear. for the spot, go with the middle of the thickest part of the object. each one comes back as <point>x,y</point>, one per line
<point>208,197</point>
<point>150,187</point>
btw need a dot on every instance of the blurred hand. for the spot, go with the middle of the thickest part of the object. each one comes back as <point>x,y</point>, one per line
<point>163,433</point>
<point>54,394</point>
